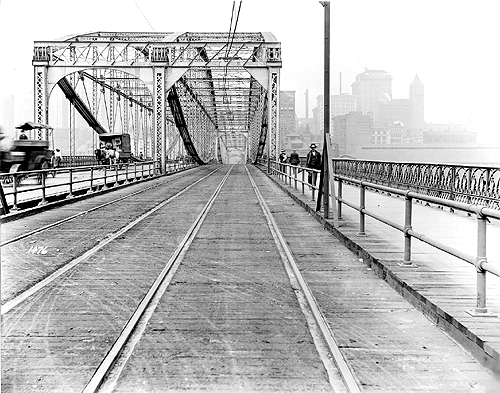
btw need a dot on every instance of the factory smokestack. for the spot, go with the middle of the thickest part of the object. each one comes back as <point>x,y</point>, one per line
<point>307,103</point>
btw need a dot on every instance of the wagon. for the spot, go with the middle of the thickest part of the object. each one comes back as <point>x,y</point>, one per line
<point>25,155</point>
<point>118,142</point>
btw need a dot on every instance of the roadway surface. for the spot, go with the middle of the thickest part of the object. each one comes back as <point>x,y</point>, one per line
<point>231,317</point>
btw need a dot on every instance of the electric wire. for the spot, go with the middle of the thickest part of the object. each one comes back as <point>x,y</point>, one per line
<point>144,17</point>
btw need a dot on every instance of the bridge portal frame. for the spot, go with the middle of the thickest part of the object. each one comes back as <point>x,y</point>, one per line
<point>159,60</point>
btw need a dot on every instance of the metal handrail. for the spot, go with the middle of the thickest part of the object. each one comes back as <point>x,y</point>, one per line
<point>483,213</point>
<point>102,176</point>
<point>465,183</point>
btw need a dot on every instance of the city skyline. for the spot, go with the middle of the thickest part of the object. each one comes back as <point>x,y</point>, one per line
<point>448,44</point>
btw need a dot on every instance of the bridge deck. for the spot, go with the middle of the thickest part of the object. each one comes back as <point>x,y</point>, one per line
<point>231,319</point>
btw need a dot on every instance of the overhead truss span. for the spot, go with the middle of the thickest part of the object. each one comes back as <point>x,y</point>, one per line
<point>226,86</point>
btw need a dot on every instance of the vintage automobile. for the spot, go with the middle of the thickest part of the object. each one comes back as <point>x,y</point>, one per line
<point>22,155</point>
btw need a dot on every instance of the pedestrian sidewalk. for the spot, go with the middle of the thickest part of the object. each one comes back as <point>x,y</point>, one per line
<point>443,287</point>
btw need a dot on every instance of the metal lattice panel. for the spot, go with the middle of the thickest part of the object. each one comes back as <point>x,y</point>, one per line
<point>40,100</point>
<point>160,112</point>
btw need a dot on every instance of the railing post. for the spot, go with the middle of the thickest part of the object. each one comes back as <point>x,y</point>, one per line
<point>295,176</point>
<point>313,189</point>
<point>105,185</point>
<point>452,184</point>
<point>339,200</point>
<point>481,310</point>
<point>408,220</point>
<point>14,190</point>
<point>91,189</point>
<point>362,206</point>
<point>469,184</point>
<point>43,178</point>
<point>303,181</point>
<point>70,195</point>
<point>116,175</point>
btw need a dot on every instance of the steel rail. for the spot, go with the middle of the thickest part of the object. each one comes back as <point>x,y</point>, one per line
<point>338,358</point>
<point>62,221</point>
<point>41,284</point>
<point>143,312</point>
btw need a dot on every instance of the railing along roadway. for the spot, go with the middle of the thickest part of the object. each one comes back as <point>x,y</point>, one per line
<point>79,178</point>
<point>295,176</point>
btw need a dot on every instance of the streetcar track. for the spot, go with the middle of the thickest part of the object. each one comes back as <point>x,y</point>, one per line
<point>7,306</point>
<point>139,319</point>
<point>289,260</point>
<point>62,221</point>
<point>108,373</point>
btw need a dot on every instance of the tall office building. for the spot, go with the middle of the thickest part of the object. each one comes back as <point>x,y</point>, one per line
<point>371,89</point>
<point>287,116</point>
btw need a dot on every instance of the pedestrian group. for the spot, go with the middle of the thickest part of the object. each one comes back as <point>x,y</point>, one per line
<point>313,161</point>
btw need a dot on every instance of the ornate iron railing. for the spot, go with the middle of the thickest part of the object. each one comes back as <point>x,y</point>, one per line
<point>462,183</point>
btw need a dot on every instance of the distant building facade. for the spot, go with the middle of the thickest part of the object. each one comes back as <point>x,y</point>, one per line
<point>287,115</point>
<point>340,104</point>
<point>371,89</point>
<point>352,130</point>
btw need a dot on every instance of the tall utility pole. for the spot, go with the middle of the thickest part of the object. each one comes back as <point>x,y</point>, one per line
<point>328,182</point>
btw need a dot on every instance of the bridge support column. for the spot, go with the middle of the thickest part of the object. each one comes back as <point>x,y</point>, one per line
<point>273,114</point>
<point>159,113</point>
<point>41,100</point>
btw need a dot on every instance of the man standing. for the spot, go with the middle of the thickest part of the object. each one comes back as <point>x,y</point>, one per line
<point>294,158</point>
<point>282,159</point>
<point>313,161</point>
<point>57,158</point>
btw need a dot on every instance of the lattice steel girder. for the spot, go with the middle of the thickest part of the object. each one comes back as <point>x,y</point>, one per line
<point>220,72</point>
<point>171,49</point>
<point>41,99</point>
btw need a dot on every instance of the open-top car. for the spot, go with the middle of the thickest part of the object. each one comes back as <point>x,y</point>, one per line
<point>25,155</point>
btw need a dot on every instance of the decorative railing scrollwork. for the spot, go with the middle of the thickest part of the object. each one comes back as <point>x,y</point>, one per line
<point>462,183</point>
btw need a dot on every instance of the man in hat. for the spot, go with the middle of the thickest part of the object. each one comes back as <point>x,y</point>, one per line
<point>282,159</point>
<point>23,135</point>
<point>313,161</point>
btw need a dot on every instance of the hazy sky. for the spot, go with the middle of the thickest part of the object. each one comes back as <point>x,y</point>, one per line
<point>451,44</point>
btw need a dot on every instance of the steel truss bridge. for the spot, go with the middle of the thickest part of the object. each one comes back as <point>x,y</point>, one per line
<point>215,95</point>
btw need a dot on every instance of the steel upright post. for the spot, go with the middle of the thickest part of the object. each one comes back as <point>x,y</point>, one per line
<point>328,181</point>
<point>480,258</point>
<point>326,109</point>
